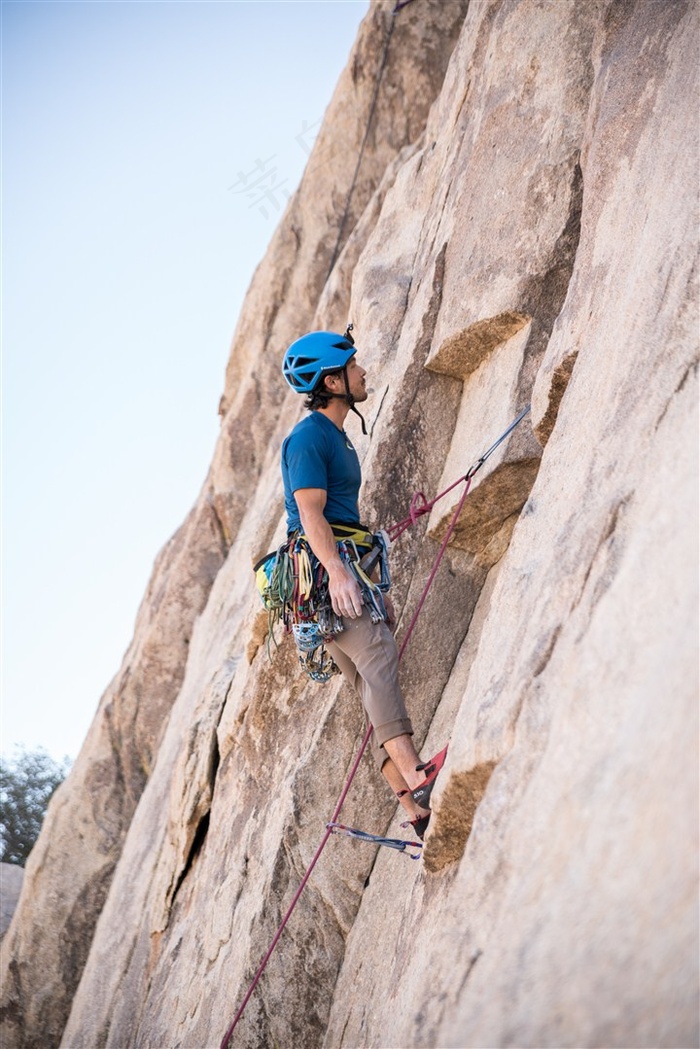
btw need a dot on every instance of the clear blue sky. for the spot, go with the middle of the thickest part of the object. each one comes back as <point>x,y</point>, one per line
<point>130,135</point>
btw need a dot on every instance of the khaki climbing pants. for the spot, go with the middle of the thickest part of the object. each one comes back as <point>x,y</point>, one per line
<point>367,655</point>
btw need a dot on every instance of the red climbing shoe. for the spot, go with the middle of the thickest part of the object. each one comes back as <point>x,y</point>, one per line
<point>421,794</point>
<point>419,825</point>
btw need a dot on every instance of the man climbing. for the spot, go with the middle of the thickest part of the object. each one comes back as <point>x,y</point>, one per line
<point>321,473</point>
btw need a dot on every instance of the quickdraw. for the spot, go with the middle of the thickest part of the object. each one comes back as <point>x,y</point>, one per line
<point>400,844</point>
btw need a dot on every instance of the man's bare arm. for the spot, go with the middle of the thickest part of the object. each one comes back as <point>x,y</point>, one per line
<point>345,593</point>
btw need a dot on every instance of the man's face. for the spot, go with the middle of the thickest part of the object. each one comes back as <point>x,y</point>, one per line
<point>356,380</point>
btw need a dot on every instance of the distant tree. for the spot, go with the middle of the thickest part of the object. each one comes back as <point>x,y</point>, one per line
<point>27,781</point>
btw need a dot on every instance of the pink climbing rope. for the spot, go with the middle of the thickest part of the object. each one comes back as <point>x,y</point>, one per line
<point>418,506</point>
<point>394,532</point>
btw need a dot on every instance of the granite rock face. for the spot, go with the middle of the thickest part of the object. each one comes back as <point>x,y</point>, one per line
<point>11,878</point>
<point>523,231</point>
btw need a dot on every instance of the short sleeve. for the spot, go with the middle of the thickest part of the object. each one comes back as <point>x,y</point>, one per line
<point>307,462</point>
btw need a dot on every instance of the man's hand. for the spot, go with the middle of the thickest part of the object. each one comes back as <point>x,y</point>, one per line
<point>345,593</point>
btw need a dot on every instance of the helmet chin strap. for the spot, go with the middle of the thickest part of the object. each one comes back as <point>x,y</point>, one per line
<point>350,400</point>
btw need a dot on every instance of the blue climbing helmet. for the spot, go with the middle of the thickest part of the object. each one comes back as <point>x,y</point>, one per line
<point>314,355</point>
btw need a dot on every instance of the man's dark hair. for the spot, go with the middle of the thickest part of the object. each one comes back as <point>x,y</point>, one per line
<point>320,396</point>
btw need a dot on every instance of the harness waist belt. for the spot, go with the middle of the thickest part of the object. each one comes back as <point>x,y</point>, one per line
<point>357,534</point>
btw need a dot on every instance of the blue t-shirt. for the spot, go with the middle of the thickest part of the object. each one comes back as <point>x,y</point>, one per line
<point>319,455</point>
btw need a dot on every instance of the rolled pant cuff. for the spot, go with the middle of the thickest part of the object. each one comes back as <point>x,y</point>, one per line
<point>392,729</point>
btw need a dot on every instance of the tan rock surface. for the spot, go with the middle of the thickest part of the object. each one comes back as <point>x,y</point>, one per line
<point>571,915</point>
<point>11,878</point>
<point>532,237</point>
<point>70,867</point>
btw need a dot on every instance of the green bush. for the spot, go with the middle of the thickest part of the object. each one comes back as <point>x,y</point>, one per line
<point>27,781</point>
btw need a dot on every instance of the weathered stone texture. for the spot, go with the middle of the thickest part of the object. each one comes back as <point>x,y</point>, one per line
<point>11,878</point>
<point>530,238</point>
<point>571,916</point>
<point>70,868</point>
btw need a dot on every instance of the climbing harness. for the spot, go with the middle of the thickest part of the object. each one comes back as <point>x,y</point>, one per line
<point>400,844</point>
<point>417,509</point>
<point>293,587</point>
